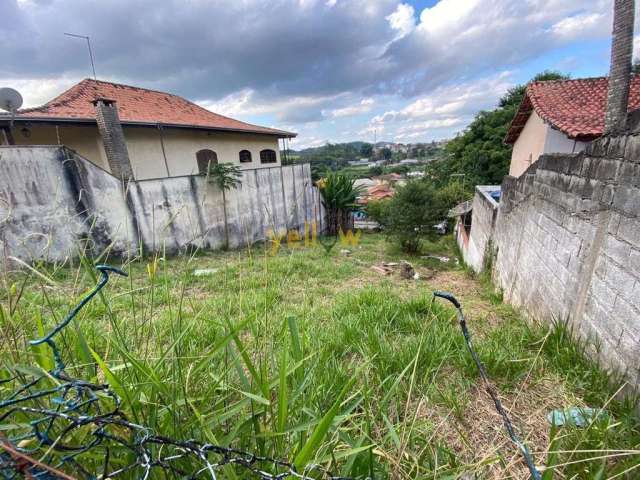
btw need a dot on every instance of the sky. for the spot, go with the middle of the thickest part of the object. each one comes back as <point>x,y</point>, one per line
<point>330,70</point>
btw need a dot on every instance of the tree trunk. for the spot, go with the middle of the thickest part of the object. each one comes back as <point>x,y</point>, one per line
<point>620,69</point>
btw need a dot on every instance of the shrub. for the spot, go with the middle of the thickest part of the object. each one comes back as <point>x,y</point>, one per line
<point>411,214</point>
<point>339,196</point>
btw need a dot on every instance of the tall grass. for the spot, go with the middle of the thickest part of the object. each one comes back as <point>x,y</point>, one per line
<point>304,356</point>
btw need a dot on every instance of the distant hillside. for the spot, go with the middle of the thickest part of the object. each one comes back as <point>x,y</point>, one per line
<point>341,153</point>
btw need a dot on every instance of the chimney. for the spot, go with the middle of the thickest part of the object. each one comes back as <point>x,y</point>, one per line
<point>112,135</point>
<point>620,70</point>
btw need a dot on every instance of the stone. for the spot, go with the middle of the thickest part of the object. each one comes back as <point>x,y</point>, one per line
<point>629,230</point>
<point>627,199</point>
<point>632,149</point>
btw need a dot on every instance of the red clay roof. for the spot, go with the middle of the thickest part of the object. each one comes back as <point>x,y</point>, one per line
<point>137,106</point>
<point>575,107</point>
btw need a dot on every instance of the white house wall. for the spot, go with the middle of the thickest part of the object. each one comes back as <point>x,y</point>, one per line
<point>529,145</point>
<point>558,142</point>
<point>536,138</point>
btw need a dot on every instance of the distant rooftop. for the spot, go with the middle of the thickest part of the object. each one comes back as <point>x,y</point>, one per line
<point>137,106</point>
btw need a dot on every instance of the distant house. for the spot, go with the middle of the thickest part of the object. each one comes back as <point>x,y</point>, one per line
<point>139,133</point>
<point>380,191</point>
<point>560,116</point>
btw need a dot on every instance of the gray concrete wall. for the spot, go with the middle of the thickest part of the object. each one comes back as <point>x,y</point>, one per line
<point>53,203</point>
<point>567,242</point>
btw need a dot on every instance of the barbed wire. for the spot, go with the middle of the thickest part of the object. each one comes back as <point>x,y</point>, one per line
<point>55,427</point>
<point>490,388</point>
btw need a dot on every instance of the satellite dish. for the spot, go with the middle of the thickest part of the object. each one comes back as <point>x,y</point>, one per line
<point>10,99</point>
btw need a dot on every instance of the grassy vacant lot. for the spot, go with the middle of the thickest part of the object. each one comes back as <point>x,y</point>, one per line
<point>255,354</point>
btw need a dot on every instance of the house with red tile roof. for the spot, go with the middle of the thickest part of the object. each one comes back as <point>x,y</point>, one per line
<point>164,135</point>
<point>560,116</point>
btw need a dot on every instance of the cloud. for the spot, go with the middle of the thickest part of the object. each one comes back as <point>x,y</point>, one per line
<point>364,106</point>
<point>436,115</point>
<point>318,66</point>
<point>402,19</point>
<point>581,26</point>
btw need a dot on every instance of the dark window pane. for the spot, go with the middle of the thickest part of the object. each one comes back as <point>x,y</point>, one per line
<point>245,156</point>
<point>205,158</point>
<point>268,156</point>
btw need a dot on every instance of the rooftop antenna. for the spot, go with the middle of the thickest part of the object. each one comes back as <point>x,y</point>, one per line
<point>86,37</point>
<point>11,101</point>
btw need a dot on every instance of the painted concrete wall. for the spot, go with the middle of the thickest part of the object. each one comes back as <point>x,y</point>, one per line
<point>53,202</point>
<point>567,244</point>
<point>475,245</point>
<point>145,147</point>
<point>529,145</point>
<point>536,138</point>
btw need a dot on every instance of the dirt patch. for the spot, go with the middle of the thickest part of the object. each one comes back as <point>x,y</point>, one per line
<point>470,294</point>
<point>479,436</point>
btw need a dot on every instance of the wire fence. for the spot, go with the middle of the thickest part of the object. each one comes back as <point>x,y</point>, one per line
<point>53,427</point>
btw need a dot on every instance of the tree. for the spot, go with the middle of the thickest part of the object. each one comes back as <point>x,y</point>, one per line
<point>226,176</point>
<point>366,150</point>
<point>386,153</point>
<point>479,152</point>
<point>416,207</point>
<point>339,195</point>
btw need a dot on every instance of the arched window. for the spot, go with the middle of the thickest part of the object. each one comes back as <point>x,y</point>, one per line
<point>205,159</point>
<point>268,156</point>
<point>245,156</point>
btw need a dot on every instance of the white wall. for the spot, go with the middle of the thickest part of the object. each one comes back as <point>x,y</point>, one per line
<point>558,142</point>
<point>536,138</point>
<point>529,145</point>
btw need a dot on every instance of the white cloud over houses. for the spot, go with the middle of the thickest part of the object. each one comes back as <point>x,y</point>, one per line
<point>446,109</point>
<point>323,67</point>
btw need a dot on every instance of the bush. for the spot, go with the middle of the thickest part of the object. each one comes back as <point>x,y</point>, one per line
<point>339,195</point>
<point>411,214</point>
<point>375,171</point>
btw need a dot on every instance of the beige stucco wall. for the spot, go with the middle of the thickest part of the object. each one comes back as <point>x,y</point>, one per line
<point>537,138</point>
<point>529,145</point>
<point>145,150</point>
<point>145,147</point>
<point>85,140</point>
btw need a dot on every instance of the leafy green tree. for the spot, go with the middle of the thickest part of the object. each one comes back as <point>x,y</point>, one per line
<point>416,207</point>
<point>366,150</point>
<point>339,195</point>
<point>226,176</point>
<point>387,153</point>
<point>479,152</point>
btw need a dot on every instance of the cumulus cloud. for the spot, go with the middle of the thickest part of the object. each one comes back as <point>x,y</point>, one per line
<point>402,19</point>
<point>433,116</point>
<point>364,106</point>
<point>304,63</point>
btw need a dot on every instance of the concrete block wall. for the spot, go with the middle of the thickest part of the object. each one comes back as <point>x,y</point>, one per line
<point>53,203</point>
<point>567,244</point>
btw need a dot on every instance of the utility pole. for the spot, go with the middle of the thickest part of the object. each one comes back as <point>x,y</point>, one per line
<point>86,37</point>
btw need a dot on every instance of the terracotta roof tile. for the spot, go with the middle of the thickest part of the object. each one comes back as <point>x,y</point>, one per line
<point>138,105</point>
<point>575,107</point>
